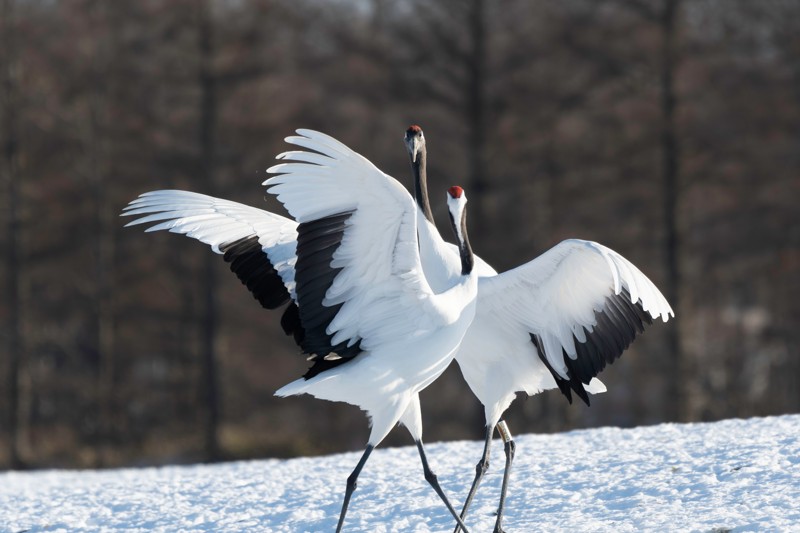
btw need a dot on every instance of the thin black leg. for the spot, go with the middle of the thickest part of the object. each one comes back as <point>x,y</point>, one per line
<point>510,448</point>
<point>480,470</point>
<point>351,485</point>
<point>431,478</point>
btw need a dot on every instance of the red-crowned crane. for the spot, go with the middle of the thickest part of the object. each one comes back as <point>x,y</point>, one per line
<point>552,322</point>
<point>360,305</point>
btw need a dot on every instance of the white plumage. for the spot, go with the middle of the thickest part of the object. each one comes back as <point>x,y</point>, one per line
<point>408,333</point>
<point>352,267</point>
<point>552,322</point>
<point>556,296</point>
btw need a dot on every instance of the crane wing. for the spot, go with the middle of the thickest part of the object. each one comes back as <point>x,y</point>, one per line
<point>258,245</point>
<point>359,280</point>
<point>581,303</point>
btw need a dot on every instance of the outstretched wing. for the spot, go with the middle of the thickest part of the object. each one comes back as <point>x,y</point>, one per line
<point>258,245</point>
<point>581,303</point>
<point>359,281</point>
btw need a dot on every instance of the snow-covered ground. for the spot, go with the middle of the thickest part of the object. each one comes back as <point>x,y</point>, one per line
<point>734,475</point>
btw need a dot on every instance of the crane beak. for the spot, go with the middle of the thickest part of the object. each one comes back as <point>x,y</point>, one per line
<point>412,145</point>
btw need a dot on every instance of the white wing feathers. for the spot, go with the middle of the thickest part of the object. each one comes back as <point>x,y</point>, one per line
<point>385,298</point>
<point>556,295</point>
<point>216,222</point>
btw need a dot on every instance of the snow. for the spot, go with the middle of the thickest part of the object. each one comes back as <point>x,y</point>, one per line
<point>739,475</point>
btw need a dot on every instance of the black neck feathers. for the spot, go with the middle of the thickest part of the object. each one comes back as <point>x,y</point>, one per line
<point>464,248</point>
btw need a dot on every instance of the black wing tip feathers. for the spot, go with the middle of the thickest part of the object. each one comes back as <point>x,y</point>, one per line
<point>617,325</point>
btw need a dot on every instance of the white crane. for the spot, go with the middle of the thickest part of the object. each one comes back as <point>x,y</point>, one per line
<point>552,322</point>
<point>376,332</point>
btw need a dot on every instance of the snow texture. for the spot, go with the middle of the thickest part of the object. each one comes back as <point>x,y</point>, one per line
<point>734,475</point>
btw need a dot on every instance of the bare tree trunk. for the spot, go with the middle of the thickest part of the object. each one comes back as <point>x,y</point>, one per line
<point>476,105</point>
<point>676,401</point>
<point>13,260</point>
<point>98,140</point>
<point>104,266</point>
<point>106,318</point>
<point>208,124</point>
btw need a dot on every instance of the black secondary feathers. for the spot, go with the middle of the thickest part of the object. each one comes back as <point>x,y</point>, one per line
<point>618,324</point>
<point>254,269</point>
<point>306,321</point>
<point>316,243</point>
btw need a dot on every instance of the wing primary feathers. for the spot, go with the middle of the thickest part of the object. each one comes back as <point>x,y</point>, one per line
<point>622,309</point>
<point>563,384</point>
<point>616,326</point>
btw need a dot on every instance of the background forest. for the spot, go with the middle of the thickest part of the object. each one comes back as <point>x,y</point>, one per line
<point>668,130</point>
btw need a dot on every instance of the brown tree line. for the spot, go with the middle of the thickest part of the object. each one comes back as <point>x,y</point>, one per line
<point>665,129</point>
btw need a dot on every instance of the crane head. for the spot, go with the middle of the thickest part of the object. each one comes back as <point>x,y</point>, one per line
<point>456,203</point>
<point>415,140</point>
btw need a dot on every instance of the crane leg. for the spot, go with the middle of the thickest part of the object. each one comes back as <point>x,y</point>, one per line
<point>431,478</point>
<point>480,470</point>
<point>351,485</point>
<point>510,448</point>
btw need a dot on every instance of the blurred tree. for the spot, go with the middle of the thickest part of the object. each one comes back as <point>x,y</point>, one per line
<point>11,145</point>
<point>207,131</point>
<point>666,17</point>
<point>675,368</point>
<point>638,123</point>
<point>100,152</point>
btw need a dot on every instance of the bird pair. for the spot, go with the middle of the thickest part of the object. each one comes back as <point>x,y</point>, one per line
<point>382,304</point>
